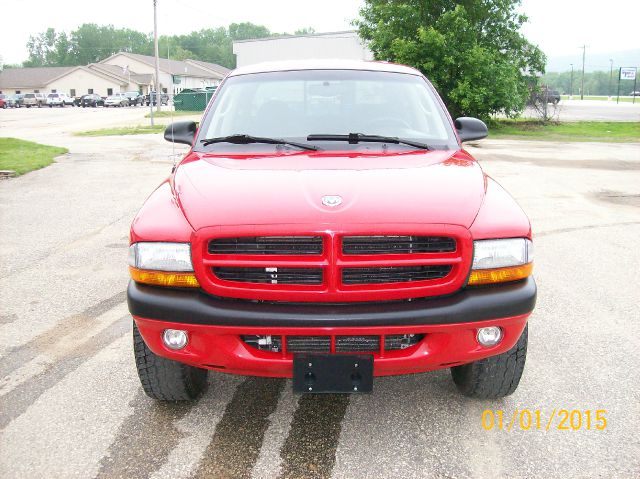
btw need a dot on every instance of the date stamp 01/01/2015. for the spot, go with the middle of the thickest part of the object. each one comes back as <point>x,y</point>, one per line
<point>539,420</point>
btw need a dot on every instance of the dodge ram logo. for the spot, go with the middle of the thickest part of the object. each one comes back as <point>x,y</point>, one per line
<point>331,201</point>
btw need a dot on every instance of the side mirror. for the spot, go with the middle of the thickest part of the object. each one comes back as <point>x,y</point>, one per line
<point>181,132</point>
<point>470,129</point>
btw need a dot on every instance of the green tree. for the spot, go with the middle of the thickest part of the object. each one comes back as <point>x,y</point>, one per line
<point>41,49</point>
<point>92,43</point>
<point>247,30</point>
<point>471,50</point>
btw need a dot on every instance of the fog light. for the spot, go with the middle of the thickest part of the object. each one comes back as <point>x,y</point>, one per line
<point>174,338</point>
<point>490,336</point>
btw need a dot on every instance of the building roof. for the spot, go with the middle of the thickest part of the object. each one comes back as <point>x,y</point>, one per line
<point>174,67</point>
<point>114,70</point>
<point>337,64</point>
<point>117,72</point>
<point>223,71</point>
<point>37,77</point>
<point>142,78</point>
<point>40,77</point>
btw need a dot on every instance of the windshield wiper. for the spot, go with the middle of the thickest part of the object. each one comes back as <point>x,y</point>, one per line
<point>355,138</point>
<point>246,139</point>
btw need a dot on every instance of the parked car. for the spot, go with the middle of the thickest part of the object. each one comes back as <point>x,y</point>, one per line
<point>635,93</point>
<point>9,101</point>
<point>365,240</point>
<point>16,100</point>
<point>545,93</point>
<point>151,98</point>
<point>91,100</point>
<point>117,99</point>
<point>3,102</point>
<point>135,98</point>
<point>34,99</point>
<point>59,99</point>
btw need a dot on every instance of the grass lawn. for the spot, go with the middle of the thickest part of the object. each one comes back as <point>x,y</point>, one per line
<point>24,156</point>
<point>625,99</point>
<point>603,131</point>
<point>169,114</point>
<point>123,130</point>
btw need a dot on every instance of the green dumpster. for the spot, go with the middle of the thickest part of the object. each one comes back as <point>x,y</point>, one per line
<point>193,99</point>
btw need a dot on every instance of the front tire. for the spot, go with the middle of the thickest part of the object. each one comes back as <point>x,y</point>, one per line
<point>163,379</point>
<point>494,377</point>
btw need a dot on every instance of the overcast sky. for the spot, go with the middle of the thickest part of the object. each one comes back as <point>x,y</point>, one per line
<point>558,27</point>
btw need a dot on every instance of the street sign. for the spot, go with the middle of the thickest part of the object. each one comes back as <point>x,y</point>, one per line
<point>628,73</point>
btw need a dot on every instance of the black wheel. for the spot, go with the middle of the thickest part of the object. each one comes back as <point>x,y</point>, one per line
<point>493,377</point>
<point>164,379</point>
<point>4,106</point>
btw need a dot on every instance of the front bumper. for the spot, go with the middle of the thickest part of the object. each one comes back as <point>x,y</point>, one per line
<point>215,325</point>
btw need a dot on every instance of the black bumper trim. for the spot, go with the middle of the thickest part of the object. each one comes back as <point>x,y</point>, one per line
<point>195,307</point>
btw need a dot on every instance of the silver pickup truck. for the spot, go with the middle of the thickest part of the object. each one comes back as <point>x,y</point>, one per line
<point>35,99</point>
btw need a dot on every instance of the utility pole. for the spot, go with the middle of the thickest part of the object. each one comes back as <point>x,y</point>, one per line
<point>571,84</point>
<point>584,52</point>
<point>610,76</point>
<point>155,47</point>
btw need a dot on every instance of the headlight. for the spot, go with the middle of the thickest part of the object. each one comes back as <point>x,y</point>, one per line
<point>162,264</point>
<point>161,256</point>
<point>501,260</point>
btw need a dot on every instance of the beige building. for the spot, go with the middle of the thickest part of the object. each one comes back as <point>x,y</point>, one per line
<point>118,73</point>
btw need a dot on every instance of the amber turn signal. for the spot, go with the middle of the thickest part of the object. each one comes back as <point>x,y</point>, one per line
<point>164,278</point>
<point>500,275</point>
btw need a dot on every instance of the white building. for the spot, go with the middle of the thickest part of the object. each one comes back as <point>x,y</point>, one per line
<point>344,45</point>
<point>118,73</point>
<point>175,75</point>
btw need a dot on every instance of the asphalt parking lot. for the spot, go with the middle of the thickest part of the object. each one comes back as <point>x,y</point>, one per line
<point>71,404</point>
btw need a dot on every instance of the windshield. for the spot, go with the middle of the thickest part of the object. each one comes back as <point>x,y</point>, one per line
<point>295,104</point>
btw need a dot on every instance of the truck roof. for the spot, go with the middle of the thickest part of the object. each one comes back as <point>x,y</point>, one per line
<point>292,65</point>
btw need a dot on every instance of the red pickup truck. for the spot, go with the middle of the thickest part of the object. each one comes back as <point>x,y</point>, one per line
<point>327,226</point>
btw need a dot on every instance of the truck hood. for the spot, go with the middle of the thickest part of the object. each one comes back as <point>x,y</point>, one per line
<point>445,187</point>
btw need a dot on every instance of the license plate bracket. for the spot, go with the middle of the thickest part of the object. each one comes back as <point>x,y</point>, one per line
<point>335,373</point>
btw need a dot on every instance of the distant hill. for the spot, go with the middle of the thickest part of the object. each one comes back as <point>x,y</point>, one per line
<point>594,61</point>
